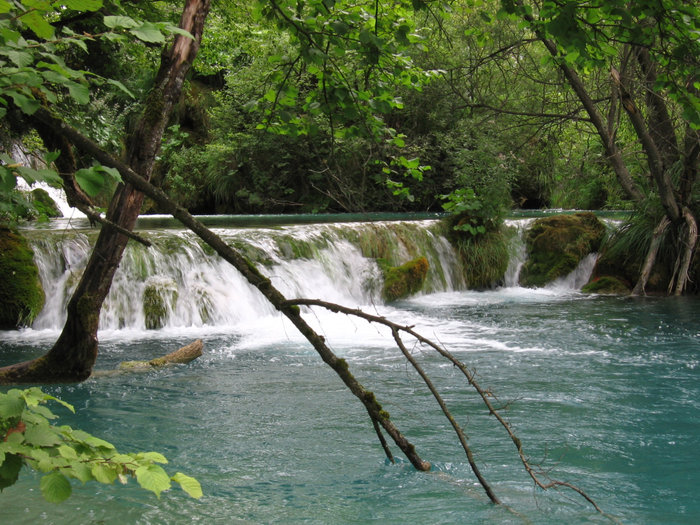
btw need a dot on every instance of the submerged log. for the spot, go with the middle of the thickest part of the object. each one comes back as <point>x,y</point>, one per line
<point>182,355</point>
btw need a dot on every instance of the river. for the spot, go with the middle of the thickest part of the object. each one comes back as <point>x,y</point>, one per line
<point>604,393</point>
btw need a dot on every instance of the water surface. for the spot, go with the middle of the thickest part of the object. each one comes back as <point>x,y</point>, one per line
<point>603,391</point>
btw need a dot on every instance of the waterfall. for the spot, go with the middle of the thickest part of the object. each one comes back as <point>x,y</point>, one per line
<point>180,282</point>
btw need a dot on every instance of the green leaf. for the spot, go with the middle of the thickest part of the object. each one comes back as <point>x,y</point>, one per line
<point>82,5</point>
<point>153,478</point>
<point>42,436</point>
<point>21,58</point>
<point>26,104</point>
<point>55,487</point>
<point>80,471</point>
<point>67,452</point>
<point>9,470</point>
<point>90,180</point>
<point>188,484</point>
<point>96,442</point>
<point>7,182</point>
<point>104,473</point>
<point>120,86</point>
<point>120,22</point>
<point>79,92</point>
<point>148,32</point>
<point>11,404</point>
<point>37,24</point>
<point>152,456</point>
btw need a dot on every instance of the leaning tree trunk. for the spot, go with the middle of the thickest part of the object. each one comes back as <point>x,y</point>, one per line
<point>73,355</point>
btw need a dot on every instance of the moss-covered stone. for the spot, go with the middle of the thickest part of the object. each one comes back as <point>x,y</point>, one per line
<point>21,293</point>
<point>556,245</point>
<point>402,281</point>
<point>44,204</point>
<point>159,298</point>
<point>606,285</point>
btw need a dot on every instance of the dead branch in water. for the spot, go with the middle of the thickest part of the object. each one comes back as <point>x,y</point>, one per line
<point>396,330</point>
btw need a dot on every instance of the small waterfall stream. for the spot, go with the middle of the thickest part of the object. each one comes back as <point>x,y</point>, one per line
<point>179,282</point>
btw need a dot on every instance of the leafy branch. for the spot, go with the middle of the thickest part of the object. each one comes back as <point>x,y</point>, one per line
<point>62,453</point>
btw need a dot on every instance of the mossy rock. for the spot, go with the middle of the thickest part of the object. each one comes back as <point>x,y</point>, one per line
<point>606,284</point>
<point>44,204</point>
<point>159,298</point>
<point>556,245</point>
<point>21,293</point>
<point>402,281</point>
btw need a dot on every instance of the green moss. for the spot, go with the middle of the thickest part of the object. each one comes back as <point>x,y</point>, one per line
<point>606,285</point>
<point>402,281</point>
<point>44,204</point>
<point>556,245</point>
<point>21,293</point>
<point>158,299</point>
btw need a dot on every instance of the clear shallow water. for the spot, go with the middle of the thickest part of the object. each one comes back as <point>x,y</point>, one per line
<point>605,391</point>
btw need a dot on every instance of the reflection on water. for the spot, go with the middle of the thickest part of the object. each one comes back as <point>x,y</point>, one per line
<point>603,390</point>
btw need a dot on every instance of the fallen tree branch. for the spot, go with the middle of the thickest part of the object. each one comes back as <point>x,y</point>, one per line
<point>485,395</point>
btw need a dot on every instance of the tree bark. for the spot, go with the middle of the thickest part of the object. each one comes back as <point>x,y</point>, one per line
<point>687,257</point>
<point>73,355</point>
<point>639,288</point>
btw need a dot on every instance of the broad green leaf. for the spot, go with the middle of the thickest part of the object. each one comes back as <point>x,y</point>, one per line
<point>79,92</point>
<point>112,172</point>
<point>188,484</point>
<point>55,487</point>
<point>104,473</point>
<point>80,471</point>
<point>7,182</point>
<point>26,104</point>
<point>11,404</point>
<point>120,22</point>
<point>148,32</point>
<point>152,456</point>
<point>42,436</point>
<point>120,86</point>
<point>37,24</point>
<point>67,452</point>
<point>44,412</point>
<point>99,443</point>
<point>9,470</point>
<point>82,5</point>
<point>5,6</point>
<point>153,478</point>
<point>91,181</point>
<point>20,58</point>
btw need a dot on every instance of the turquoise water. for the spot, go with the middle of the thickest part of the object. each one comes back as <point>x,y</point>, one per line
<point>604,392</point>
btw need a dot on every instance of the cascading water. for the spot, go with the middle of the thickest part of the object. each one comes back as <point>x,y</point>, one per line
<point>179,282</point>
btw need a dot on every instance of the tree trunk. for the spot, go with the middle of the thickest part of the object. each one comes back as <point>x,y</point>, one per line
<point>639,288</point>
<point>692,239</point>
<point>73,355</point>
